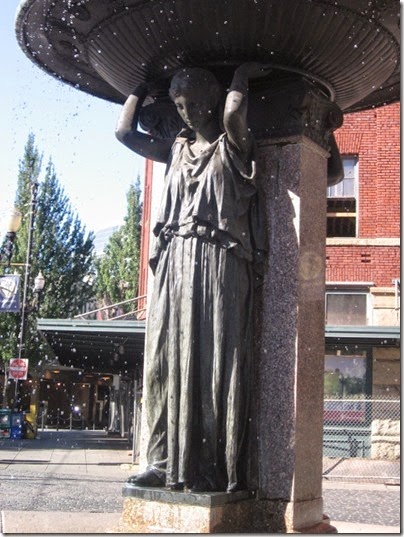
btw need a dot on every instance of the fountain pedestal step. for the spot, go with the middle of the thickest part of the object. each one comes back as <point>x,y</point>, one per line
<point>156,510</point>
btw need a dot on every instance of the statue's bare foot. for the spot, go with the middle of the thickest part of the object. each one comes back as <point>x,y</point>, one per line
<point>150,478</point>
<point>202,484</point>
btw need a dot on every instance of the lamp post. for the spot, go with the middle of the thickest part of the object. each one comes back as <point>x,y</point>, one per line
<point>39,283</point>
<point>28,308</point>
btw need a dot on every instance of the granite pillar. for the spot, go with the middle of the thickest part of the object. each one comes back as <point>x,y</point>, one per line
<point>290,350</point>
<point>290,318</point>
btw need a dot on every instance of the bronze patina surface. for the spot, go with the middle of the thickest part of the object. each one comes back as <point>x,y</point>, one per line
<point>107,47</point>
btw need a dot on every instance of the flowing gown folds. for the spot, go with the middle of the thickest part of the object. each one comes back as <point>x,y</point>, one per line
<point>199,332</point>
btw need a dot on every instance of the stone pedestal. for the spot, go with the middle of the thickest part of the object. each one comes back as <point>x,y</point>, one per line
<point>152,510</point>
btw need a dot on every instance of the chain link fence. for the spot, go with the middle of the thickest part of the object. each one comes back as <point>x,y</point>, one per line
<point>361,439</point>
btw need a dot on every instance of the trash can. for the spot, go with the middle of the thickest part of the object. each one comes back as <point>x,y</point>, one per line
<point>17,422</point>
<point>5,422</point>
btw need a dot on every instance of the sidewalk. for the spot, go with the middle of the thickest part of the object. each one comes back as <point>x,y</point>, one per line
<point>69,482</point>
<point>22,522</point>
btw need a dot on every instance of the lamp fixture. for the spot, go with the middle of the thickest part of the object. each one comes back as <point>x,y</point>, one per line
<point>13,224</point>
<point>13,220</point>
<point>39,283</point>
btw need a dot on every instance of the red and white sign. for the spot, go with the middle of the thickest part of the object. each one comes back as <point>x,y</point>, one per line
<point>18,369</point>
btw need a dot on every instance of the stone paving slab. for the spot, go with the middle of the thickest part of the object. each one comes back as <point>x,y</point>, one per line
<point>43,522</point>
<point>362,469</point>
<point>351,528</point>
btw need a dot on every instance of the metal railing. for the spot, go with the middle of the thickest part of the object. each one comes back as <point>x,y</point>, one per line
<point>361,438</point>
<point>60,420</point>
<point>136,312</point>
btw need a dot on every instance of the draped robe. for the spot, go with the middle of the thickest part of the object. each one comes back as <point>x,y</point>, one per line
<point>199,331</point>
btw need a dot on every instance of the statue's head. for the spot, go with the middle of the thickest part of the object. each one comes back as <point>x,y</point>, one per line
<point>196,81</point>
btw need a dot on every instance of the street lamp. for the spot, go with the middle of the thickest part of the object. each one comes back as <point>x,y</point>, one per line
<point>13,224</point>
<point>39,284</point>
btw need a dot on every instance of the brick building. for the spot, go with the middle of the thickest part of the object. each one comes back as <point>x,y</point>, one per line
<point>370,145</point>
<point>362,360</point>
<point>363,244</point>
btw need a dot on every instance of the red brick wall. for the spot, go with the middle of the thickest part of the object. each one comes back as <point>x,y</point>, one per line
<point>377,264</point>
<point>374,136</point>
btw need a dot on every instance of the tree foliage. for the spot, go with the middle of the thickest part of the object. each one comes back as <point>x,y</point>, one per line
<point>64,248</point>
<point>60,248</point>
<point>118,267</point>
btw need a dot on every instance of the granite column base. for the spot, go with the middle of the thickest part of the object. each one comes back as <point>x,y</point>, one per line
<point>151,510</point>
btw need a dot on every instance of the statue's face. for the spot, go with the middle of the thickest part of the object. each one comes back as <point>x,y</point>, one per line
<point>195,108</point>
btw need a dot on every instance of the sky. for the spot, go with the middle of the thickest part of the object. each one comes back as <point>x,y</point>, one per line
<point>72,128</point>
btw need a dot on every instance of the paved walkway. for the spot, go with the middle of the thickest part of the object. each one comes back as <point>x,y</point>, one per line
<point>70,482</point>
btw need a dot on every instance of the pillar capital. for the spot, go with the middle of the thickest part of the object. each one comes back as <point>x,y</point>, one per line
<point>290,108</point>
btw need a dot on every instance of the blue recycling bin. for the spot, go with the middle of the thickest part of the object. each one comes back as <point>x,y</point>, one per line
<point>17,422</point>
<point>5,422</point>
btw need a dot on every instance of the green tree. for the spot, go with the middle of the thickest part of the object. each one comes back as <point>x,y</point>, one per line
<point>63,250</point>
<point>60,248</point>
<point>118,267</point>
<point>10,323</point>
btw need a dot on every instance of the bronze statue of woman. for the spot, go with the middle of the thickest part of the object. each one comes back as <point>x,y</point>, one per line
<point>199,332</point>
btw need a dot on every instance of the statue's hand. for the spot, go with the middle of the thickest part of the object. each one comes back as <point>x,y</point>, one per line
<point>141,90</point>
<point>253,70</point>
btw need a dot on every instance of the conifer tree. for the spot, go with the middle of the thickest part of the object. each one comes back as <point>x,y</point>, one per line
<point>10,323</point>
<point>60,248</point>
<point>64,248</point>
<point>118,267</point>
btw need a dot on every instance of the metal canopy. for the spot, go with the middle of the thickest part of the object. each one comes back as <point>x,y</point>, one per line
<point>106,47</point>
<point>95,346</point>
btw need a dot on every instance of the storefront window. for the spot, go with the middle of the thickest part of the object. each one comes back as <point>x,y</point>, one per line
<point>345,375</point>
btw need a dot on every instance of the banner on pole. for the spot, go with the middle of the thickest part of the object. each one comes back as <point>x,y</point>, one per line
<point>10,293</point>
<point>18,369</point>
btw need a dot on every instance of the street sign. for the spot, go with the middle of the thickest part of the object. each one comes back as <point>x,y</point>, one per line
<point>18,369</point>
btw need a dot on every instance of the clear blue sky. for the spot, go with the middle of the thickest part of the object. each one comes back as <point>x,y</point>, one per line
<point>71,127</point>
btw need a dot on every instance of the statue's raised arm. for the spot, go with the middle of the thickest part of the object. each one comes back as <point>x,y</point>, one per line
<point>127,129</point>
<point>235,112</point>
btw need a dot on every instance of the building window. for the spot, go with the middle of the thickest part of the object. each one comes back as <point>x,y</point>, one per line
<point>342,202</point>
<point>346,309</point>
<point>346,373</point>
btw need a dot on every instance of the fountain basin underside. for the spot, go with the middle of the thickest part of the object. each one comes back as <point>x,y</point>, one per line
<point>106,48</point>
